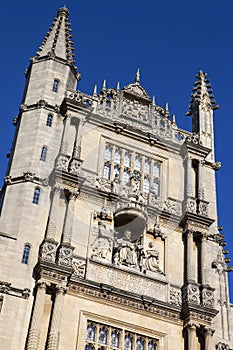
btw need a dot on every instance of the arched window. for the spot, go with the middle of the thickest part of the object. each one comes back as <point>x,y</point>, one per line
<point>49,120</point>
<point>90,335</point>
<point>26,252</point>
<point>115,339</point>
<point>43,153</point>
<point>103,333</point>
<point>36,196</point>
<point>55,85</point>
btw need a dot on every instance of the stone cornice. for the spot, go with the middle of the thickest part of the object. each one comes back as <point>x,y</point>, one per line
<point>126,300</point>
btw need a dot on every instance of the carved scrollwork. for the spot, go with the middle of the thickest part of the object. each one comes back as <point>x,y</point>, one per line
<point>79,267</point>
<point>65,255</point>
<point>175,296</point>
<point>48,251</point>
<point>191,294</point>
<point>208,297</point>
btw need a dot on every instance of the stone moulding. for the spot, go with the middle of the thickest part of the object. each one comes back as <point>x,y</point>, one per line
<point>7,288</point>
<point>140,303</point>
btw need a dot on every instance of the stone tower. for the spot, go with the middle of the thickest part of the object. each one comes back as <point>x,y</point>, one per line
<point>109,234</point>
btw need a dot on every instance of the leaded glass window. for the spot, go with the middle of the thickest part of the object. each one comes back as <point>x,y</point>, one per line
<point>108,152</point>
<point>26,252</point>
<point>125,162</point>
<point>138,163</point>
<point>103,335</point>
<point>127,159</point>
<point>106,337</point>
<point>115,339</point>
<point>117,157</point>
<point>91,330</point>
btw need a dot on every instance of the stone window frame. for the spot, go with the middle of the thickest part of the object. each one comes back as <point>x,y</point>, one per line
<point>44,153</point>
<point>111,166</point>
<point>115,324</point>
<point>56,83</point>
<point>36,196</point>
<point>26,254</point>
<point>49,120</point>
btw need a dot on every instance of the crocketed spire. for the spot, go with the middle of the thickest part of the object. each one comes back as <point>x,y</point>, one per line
<point>57,41</point>
<point>202,93</point>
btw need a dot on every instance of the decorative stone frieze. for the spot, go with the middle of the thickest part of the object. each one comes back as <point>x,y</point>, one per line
<point>222,346</point>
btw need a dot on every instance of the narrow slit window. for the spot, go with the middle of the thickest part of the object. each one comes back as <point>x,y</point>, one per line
<point>55,85</point>
<point>49,121</point>
<point>36,196</point>
<point>43,153</point>
<point>26,253</point>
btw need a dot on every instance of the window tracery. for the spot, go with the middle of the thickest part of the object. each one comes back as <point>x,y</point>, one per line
<point>105,337</point>
<point>123,163</point>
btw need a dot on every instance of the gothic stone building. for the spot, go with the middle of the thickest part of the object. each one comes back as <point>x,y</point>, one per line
<point>109,235</point>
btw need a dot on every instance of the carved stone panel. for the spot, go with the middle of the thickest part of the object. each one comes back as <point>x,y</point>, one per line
<point>124,280</point>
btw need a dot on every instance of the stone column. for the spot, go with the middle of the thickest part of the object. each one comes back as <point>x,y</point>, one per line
<point>67,232</point>
<point>190,202</point>
<point>62,161</point>
<point>76,162</point>
<point>66,250</point>
<point>34,332</point>
<point>208,334</point>
<point>54,334</point>
<point>49,246</point>
<point>200,180</point>
<point>192,336</point>
<point>190,262</point>
<point>204,275</point>
<point>52,223</point>
<point>189,179</point>
<point>65,136</point>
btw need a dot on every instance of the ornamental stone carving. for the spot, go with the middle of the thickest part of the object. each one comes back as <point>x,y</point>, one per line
<point>208,297</point>
<point>29,175</point>
<point>65,255</point>
<point>191,294</point>
<point>7,180</point>
<point>190,205</point>
<point>48,251</point>
<point>62,162</point>
<point>79,267</point>
<point>203,208</point>
<point>222,346</point>
<point>175,296</point>
<point>75,166</point>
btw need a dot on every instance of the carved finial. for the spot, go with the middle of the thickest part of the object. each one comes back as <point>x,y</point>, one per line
<point>95,91</point>
<point>173,119</point>
<point>118,85</point>
<point>153,100</point>
<point>104,85</point>
<point>137,77</point>
<point>166,107</point>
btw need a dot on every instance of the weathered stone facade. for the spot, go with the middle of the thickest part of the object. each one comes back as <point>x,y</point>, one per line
<point>109,235</point>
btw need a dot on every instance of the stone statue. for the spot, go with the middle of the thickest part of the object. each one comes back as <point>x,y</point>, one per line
<point>151,260</point>
<point>115,185</point>
<point>126,251</point>
<point>102,246</point>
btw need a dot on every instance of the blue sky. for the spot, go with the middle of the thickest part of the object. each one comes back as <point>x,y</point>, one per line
<point>169,40</point>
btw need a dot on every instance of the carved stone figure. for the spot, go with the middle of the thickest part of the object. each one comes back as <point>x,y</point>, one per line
<point>126,251</point>
<point>115,185</point>
<point>102,245</point>
<point>150,260</point>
